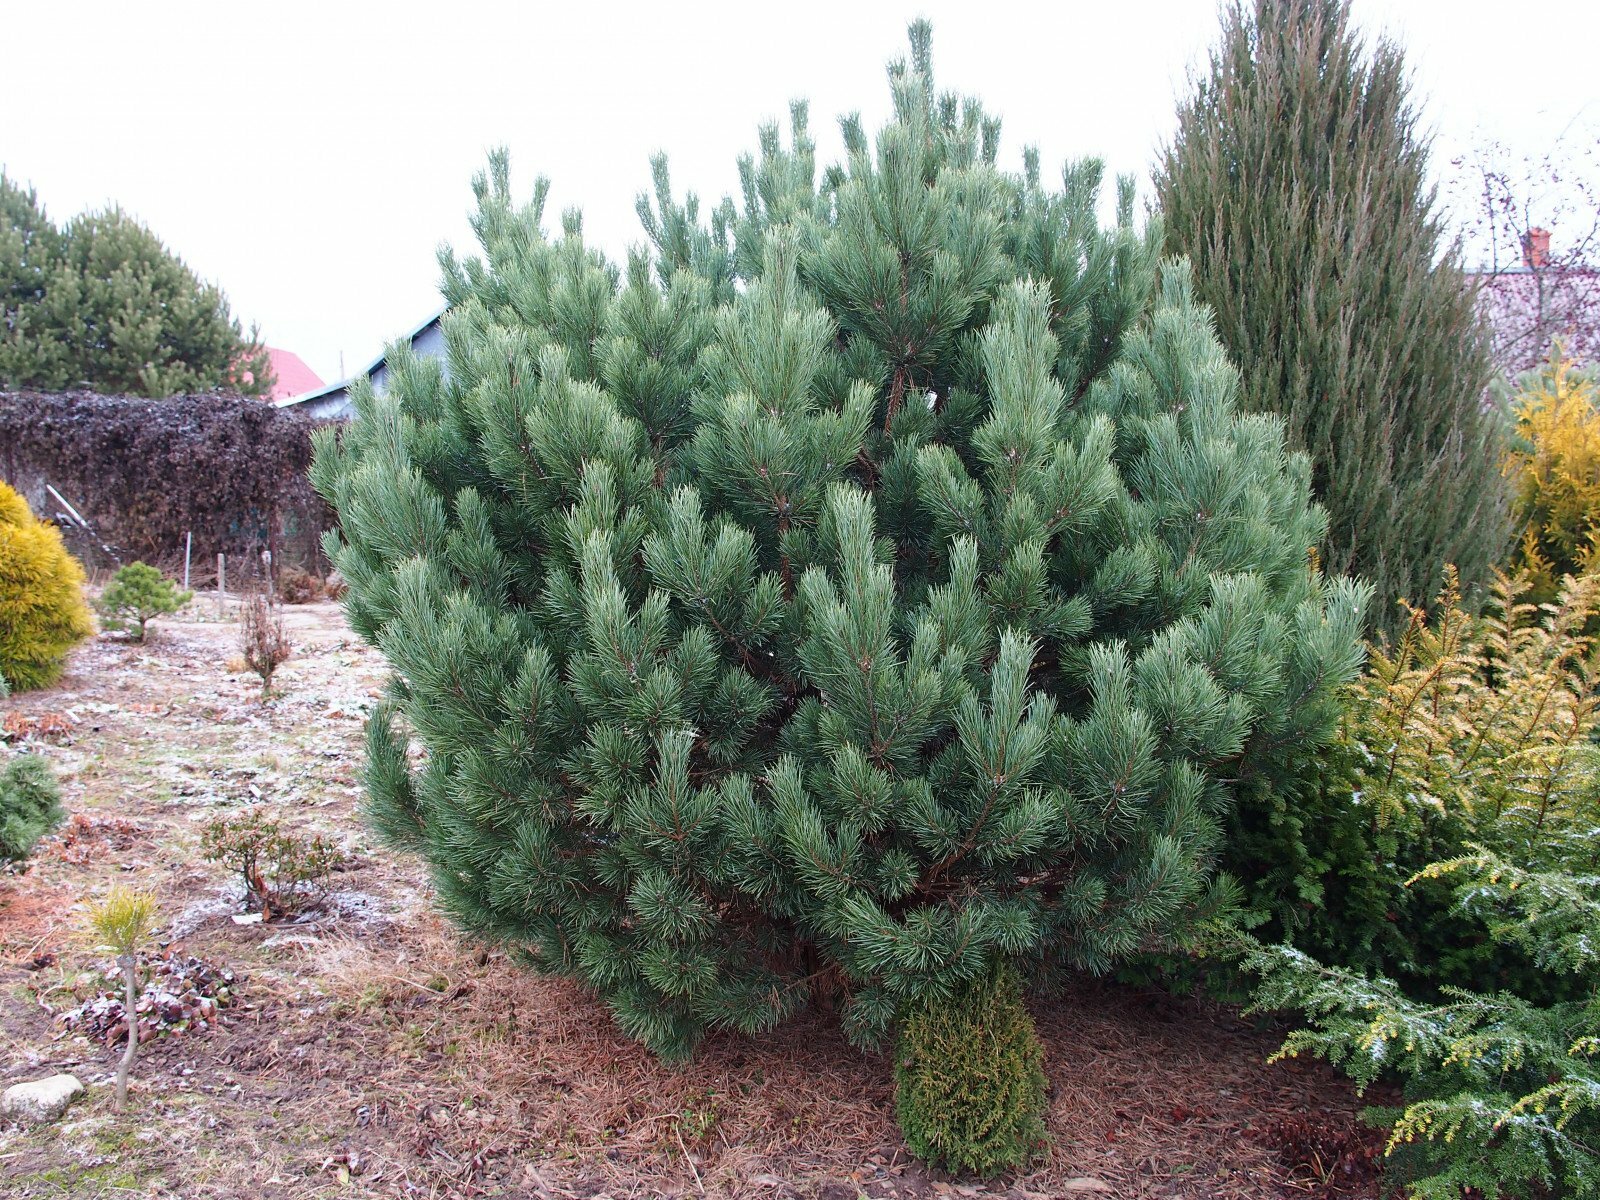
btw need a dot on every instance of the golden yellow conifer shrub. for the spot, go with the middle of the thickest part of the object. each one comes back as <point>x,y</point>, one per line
<point>1554,467</point>
<point>43,613</point>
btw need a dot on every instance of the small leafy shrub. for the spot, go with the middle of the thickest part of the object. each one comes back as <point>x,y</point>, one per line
<point>1554,466</point>
<point>263,644</point>
<point>282,872</point>
<point>299,586</point>
<point>30,805</point>
<point>42,610</point>
<point>969,1078</point>
<point>136,595</point>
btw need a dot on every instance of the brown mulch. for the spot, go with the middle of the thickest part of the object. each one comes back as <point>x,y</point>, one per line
<point>372,1054</point>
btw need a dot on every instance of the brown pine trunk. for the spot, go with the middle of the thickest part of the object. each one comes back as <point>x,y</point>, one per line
<point>123,1067</point>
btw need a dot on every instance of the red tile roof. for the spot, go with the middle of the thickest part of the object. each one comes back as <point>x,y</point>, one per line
<point>292,375</point>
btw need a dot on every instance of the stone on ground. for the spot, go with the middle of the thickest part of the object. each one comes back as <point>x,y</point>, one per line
<point>40,1101</point>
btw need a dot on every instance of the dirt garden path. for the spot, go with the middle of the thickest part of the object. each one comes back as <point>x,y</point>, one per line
<point>371,1053</point>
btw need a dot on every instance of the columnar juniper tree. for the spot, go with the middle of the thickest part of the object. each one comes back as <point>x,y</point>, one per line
<point>1297,185</point>
<point>866,586</point>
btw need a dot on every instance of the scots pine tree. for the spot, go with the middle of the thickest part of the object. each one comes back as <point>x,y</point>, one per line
<point>1297,187</point>
<point>859,589</point>
<point>30,253</point>
<point>103,303</point>
<point>137,594</point>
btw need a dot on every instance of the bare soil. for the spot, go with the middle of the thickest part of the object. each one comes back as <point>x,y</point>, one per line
<point>373,1052</point>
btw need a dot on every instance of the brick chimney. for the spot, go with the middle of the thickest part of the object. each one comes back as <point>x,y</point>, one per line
<point>1535,248</point>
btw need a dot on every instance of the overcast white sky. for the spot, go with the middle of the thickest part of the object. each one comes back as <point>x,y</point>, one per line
<point>309,157</point>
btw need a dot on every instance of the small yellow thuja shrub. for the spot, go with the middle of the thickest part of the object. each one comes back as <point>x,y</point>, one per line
<point>1554,466</point>
<point>43,613</point>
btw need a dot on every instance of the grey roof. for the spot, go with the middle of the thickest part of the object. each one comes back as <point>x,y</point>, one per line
<point>335,396</point>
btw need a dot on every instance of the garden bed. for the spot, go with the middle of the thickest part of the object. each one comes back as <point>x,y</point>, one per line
<point>369,1052</point>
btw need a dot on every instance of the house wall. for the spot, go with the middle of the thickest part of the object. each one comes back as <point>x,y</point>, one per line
<point>335,405</point>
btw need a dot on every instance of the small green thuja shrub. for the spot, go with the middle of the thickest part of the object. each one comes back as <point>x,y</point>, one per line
<point>282,871</point>
<point>30,805</point>
<point>969,1078</point>
<point>136,595</point>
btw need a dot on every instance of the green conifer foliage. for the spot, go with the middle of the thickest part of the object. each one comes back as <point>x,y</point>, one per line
<point>1297,186</point>
<point>30,251</point>
<point>870,585</point>
<point>30,805</point>
<point>969,1078</point>
<point>103,303</point>
<point>137,594</point>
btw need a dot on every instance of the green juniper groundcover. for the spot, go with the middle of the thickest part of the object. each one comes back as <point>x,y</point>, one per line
<point>868,584</point>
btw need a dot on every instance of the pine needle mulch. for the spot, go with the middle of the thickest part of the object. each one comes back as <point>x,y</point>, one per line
<point>533,1088</point>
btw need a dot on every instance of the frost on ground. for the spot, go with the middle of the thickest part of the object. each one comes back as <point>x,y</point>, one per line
<point>364,1050</point>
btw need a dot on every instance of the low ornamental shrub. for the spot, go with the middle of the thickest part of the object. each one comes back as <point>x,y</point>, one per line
<point>283,872</point>
<point>969,1078</point>
<point>42,610</point>
<point>30,805</point>
<point>136,595</point>
<point>298,586</point>
<point>263,643</point>
<point>1554,466</point>
<point>1475,770</point>
<point>873,586</point>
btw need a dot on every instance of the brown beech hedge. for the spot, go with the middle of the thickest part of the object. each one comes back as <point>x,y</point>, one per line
<point>229,469</point>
